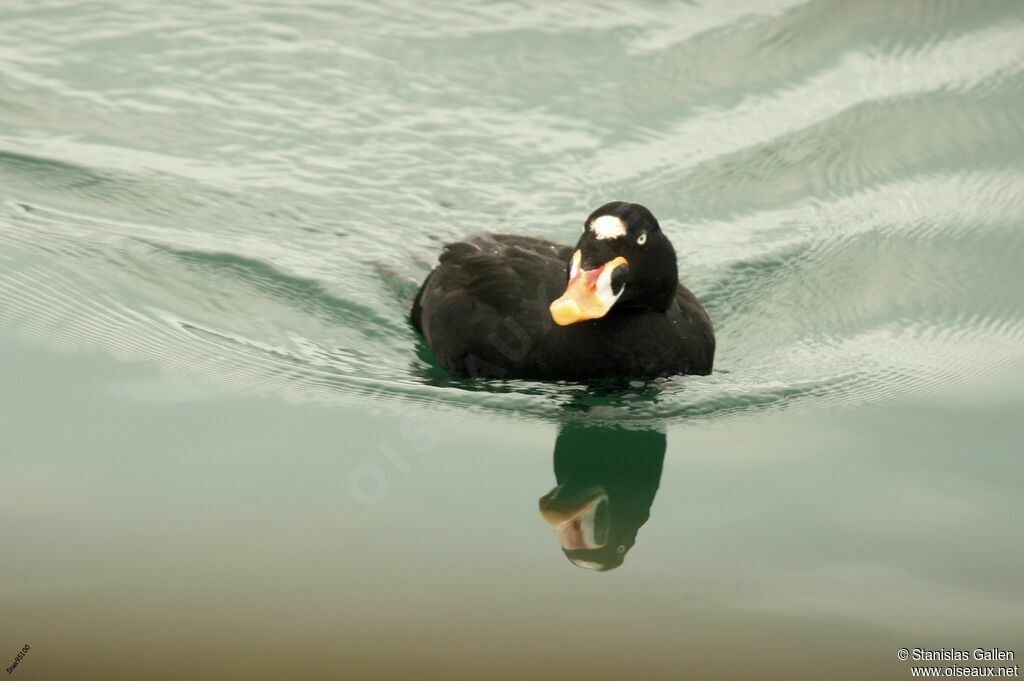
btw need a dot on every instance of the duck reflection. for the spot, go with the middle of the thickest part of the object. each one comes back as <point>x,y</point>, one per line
<point>606,477</point>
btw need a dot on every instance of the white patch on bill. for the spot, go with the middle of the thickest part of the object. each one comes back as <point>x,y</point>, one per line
<point>608,227</point>
<point>603,288</point>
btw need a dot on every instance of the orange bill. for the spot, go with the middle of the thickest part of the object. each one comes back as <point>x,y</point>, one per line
<point>588,294</point>
<point>582,524</point>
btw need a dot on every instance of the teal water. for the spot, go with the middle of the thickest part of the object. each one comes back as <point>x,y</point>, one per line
<point>225,454</point>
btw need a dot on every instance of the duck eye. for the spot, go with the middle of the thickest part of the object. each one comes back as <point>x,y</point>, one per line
<point>642,239</point>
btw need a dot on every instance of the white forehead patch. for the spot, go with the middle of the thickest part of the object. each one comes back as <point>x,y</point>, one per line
<point>608,227</point>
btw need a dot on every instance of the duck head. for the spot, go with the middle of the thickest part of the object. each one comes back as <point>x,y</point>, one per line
<point>622,262</point>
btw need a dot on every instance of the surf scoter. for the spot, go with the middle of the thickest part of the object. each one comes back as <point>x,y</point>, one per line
<point>505,306</point>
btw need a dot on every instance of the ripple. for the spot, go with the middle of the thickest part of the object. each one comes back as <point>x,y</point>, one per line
<point>249,198</point>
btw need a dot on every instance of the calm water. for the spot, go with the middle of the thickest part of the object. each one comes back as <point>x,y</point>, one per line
<point>224,455</point>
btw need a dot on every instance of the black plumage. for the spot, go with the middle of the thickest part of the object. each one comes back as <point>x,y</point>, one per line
<point>485,310</point>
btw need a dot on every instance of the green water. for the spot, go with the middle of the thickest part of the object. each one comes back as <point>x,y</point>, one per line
<point>224,454</point>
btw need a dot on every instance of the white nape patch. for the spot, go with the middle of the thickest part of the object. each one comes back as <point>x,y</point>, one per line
<point>586,564</point>
<point>608,227</point>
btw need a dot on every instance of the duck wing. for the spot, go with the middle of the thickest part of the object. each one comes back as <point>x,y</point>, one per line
<point>485,304</point>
